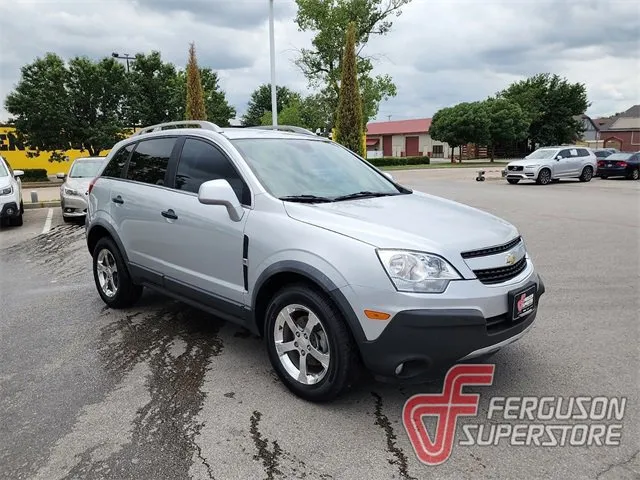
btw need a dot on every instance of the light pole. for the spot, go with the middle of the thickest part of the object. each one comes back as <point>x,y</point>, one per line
<point>123,57</point>
<point>274,99</point>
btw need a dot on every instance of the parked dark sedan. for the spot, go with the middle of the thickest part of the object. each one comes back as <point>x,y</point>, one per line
<point>623,164</point>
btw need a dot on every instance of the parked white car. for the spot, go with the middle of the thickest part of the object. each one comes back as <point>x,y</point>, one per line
<point>553,164</point>
<point>11,207</point>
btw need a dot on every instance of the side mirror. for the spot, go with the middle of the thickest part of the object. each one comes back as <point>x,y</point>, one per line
<point>389,176</point>
<point>61,176</point>
<point>559,157</point>
<point>18,173</point>
<point>219,192</point>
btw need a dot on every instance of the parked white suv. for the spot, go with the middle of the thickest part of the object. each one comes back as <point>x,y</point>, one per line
<point>300,240</point>
<point>549,164</point>
<point>11,207</point>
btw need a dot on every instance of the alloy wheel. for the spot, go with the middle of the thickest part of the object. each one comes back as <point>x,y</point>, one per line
<point>301,344</point>
<point>545,177</point>
<point>107,273</point>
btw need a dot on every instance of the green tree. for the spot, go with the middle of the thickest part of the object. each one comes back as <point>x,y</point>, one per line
<point>461,124</point>
<point>316,112</point>
<point>290,115</point>
<point>349,122</point>
<point>57,107</point>
<point>507,122</point>
<point>550,103</point>
<point>156,92</point>
<point>219,111</point>
<point>321,64</point>
<point>195,109</point>
<point>260,103</point>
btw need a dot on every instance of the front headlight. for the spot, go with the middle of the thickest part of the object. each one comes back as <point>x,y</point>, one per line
<point>417,272</point>
<point>7,191</point>
<point>70,191</point>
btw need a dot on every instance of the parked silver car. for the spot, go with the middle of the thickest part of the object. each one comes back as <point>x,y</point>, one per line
<point>305,243</point>
<point>549,164</point>
<point>73,192</point>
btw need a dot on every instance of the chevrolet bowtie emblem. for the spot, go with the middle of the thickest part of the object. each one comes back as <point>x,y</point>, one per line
<point>511,259</point>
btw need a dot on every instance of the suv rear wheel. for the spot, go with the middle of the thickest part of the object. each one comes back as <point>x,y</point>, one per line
<point>111,276</point>
<point>586,175</point>
<point>309,344</point>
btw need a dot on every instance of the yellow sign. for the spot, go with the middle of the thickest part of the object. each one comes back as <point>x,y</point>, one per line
<point>16,154</point>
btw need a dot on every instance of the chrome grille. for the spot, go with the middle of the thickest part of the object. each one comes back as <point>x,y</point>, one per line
<point>490,276</point>
<point>483,252</point>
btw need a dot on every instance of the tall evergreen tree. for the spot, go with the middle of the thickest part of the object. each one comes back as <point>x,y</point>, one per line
<point>349,120</point>
<point>195,95</point>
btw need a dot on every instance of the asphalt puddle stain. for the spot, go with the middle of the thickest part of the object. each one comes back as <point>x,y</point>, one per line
<point>400,459</point>
<point>164,431</point>
<point>270,459</point>
<point>62,250</point>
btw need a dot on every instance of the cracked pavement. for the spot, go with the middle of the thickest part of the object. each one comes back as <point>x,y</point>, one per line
<point>165,391</point>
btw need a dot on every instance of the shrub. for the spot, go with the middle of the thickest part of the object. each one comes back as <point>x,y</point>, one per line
<point>34,175</point>
<point>394,161</point>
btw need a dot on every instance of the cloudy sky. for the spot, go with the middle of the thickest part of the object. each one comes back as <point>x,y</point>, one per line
<point>439,52</point>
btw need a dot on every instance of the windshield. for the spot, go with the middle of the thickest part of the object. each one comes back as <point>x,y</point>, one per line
<point>85,169</point>
<point>619,156</point>
<point>294,167</point>
<point>540,154</point>
<point>3,170</point>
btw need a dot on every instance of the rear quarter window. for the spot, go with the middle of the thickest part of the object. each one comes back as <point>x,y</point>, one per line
<point>115,167</point>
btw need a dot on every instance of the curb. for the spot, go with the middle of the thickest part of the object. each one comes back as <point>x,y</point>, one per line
<point>50,204</point>
<point>40,184</point>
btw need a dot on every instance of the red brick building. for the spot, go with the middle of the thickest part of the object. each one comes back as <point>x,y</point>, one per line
<point>404,138</point>
<point>623,131</point>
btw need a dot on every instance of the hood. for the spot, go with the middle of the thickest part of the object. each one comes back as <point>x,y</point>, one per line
<point>79,184</point>
<point>415,221</point>
<point>532,161</point>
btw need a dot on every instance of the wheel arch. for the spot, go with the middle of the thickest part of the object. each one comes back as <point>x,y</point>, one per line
<point>288,272</point>
<point>101,229</point>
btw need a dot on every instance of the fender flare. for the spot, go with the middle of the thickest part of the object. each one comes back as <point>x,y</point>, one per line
<point>319,278</point>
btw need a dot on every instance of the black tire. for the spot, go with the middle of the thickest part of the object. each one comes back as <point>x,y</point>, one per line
<point>17,221</point>
<point>67,219</point>
<point>126,293</point>
<point>634,174</point>
<point>343,359</point>
<point>544,177</point>
<point>513,181</point>
<point>603,177</point>
<point>587,174</point>
<point>21,207</point>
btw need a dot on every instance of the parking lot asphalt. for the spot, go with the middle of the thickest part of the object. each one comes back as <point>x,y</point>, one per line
<point>164,391</point>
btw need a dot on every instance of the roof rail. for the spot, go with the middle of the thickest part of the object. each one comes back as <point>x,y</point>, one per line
<point>167,125</point>
<point>286,128</point>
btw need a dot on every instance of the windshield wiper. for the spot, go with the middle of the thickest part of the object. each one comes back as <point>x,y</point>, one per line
<point>305,199</point>
<point>364,194</point>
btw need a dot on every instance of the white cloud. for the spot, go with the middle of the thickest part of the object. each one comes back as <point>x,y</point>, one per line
<point>439,52</point>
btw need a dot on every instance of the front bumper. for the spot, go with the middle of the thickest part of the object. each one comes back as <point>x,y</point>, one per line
<point>10,210</point>
<point>73,205</point>
<point>426,342</point>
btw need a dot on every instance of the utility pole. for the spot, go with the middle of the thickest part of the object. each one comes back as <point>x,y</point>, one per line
<point>123,57</point>
<point>274,99</point>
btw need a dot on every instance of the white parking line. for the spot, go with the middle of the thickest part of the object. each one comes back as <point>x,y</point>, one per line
<point>47,222</point>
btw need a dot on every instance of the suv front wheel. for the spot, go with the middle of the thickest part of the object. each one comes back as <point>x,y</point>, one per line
<point>111,276</point>
<point>309,344</point>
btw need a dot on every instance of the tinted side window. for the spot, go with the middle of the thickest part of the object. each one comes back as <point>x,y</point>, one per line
<point>149,161</point>
<point>117,163</point>
<point>565,153</point>
<point>201,162</point>
<point>582,152</point>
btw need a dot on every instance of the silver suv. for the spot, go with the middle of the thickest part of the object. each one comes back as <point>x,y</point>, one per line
<point>549,164</point>
<point>306,244</point>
